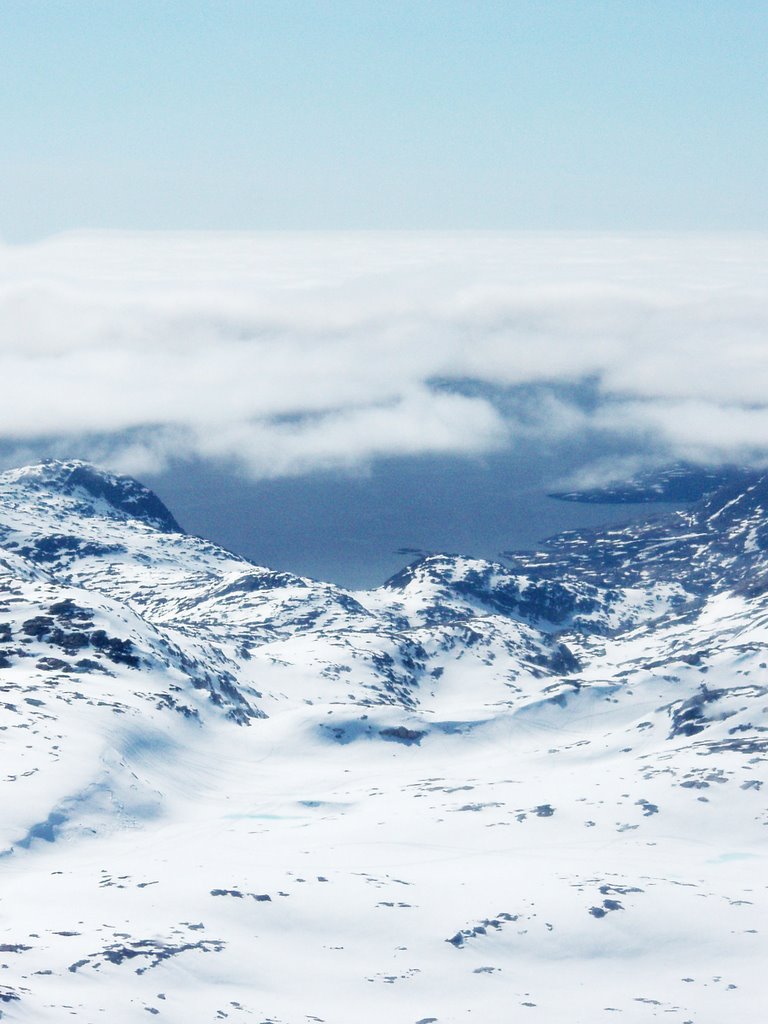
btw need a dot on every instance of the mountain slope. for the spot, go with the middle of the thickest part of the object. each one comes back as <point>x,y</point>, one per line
<point>424,798</point>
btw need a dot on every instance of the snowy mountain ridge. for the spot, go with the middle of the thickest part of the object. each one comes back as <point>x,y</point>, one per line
<point>425,795</point>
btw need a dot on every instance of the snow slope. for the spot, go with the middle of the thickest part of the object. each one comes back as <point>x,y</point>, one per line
<point>530,790</point>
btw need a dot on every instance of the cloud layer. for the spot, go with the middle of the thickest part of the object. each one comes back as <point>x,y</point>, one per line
<point>288,353</point>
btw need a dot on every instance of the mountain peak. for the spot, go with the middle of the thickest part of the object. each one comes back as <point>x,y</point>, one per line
<point>78,479</point>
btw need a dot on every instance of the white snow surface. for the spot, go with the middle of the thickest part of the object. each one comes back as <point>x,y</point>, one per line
<point>475,793</point>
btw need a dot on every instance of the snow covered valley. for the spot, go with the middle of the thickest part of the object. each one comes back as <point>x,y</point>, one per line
<point>483,791</point>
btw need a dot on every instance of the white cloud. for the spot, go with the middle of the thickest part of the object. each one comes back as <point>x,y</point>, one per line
<point>286,353</point>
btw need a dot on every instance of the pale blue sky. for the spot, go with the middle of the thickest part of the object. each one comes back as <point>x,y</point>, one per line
<point>354,114</point>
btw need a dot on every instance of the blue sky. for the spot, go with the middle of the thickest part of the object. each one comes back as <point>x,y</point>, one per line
<point>346,114</point>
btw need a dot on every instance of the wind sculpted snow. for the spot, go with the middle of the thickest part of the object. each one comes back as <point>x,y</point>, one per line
<point>530,790</point>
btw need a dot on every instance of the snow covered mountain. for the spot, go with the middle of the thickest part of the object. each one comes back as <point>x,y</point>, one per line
<point>481,791</point>
<point>680,482</point>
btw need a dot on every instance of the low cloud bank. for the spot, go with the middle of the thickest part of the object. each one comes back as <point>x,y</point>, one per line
<point>284,354</point>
